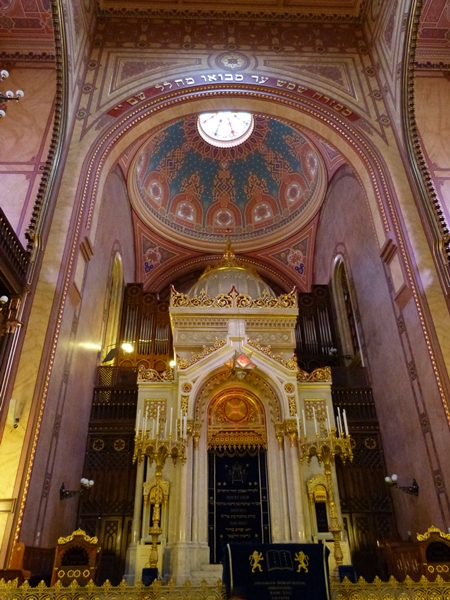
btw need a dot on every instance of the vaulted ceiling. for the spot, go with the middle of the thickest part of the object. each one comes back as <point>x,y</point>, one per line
<point>347,9</point>
<point>265,188</point>
<point>26,25</point>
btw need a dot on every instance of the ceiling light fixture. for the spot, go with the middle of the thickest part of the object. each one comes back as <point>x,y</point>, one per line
<point>9,95</point>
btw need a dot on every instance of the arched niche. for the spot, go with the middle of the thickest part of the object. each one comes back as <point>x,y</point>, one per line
<point>238,498</point>
<point>114,305</point>
<point>236,419</point>
<point>253,384</point>
<point>345,315</point>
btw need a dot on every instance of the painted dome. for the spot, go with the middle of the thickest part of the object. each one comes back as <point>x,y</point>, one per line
<point>220,281</point>
<point>198,194</point>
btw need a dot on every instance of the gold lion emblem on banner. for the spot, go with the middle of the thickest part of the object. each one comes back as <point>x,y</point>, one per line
<point>255,559</point>
<point>303,561</point>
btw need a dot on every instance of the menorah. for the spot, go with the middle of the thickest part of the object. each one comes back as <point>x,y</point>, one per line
<point>325,445</point>
<point>154,443</point>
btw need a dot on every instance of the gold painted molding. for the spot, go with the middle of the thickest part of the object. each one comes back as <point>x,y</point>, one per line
<point>183,363</point>
<point>78,533</point>
<point>378,590</point>
<point>422,537</point>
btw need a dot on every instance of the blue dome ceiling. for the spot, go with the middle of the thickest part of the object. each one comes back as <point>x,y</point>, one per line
<point>265,188</point>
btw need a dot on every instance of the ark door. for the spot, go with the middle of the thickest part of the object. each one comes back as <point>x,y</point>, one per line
<point>238,499</point>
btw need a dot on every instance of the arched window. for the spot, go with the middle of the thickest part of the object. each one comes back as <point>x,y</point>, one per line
<point>345,316</point>
<point>114,306</point>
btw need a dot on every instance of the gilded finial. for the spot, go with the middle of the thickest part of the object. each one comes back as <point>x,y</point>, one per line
<point>229,257</point>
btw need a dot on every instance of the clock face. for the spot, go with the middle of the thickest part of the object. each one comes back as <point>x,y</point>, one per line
<point>225,128</point>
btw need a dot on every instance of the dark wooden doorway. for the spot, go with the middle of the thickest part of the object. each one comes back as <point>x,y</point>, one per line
<point>238,501</point>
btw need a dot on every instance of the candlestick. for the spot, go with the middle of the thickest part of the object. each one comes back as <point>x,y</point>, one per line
<point>171,417</point>
<point>138,425</point>
<point>158,450</point>
<point>298,425</point>
<point>325,449</point>
<point>157,423</point>
<point>315,420</point>
<point>304,422</point>
<point>345,422</point>
<point>339,421</point>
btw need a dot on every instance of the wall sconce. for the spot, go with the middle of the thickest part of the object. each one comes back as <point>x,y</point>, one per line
<point>86,484</point>
<point>9,95</point>
<point>412,489</point>
<point>114,351</point>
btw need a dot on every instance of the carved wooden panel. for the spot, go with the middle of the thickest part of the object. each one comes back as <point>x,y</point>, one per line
<point>365,499</point>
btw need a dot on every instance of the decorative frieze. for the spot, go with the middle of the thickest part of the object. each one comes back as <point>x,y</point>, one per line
<point>233,300</point>
<point>322,375</point>
<point>150,375</point>
<point>183,363</point>
<point>291,363</point>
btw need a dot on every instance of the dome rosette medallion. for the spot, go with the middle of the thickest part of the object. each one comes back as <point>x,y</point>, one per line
<point>199,194</point>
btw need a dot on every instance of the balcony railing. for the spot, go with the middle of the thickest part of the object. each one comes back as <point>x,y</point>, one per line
<point>13,257</point>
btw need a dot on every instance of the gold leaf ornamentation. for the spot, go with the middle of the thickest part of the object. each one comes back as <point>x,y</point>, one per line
<point>233,300</point>
<point>78,533</point>
<point>292,406</point>
<point>150,375</point>
<point>426,536</point>
<point>183,363</point>
<point>323,374</point>
<point>290,364</point>
<point>378,590</point>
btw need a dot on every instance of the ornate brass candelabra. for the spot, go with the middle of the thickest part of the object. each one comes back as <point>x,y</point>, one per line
<point>325,447</point>
<point>157,450</point>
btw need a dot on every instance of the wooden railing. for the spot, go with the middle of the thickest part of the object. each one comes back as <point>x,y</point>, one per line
<point>116,377</point>
<point>114,405</point>
<point>13,256</point>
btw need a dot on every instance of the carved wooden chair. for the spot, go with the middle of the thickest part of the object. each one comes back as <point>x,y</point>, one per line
<point>76,558</point>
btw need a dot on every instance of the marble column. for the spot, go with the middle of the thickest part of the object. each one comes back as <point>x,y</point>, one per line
<point>295,497</point>
<point>283,498</point>
<point>130,561</point>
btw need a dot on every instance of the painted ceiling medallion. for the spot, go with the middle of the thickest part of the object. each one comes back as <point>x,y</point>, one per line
<point>260,191</point>
<point>225,128</point>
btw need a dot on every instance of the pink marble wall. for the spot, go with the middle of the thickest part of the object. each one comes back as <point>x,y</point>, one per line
<point>411,416</point>
<point>80,16</point>
<point>60,456</point>
<point>432,100</point>
<point>384,29</point>
<point>25,134</point>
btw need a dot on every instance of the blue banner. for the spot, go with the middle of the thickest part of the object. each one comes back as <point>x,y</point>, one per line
<point>277,571</point>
